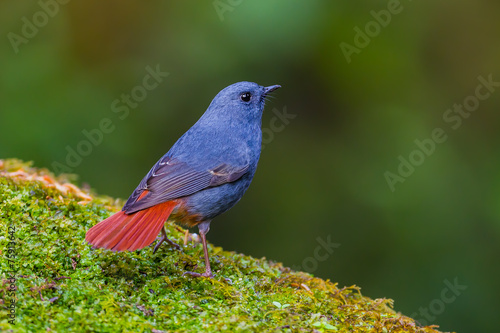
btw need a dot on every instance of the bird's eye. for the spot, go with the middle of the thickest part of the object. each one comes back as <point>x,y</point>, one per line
<point>245,97</point>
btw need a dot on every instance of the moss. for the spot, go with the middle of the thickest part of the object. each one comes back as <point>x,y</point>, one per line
<point>62,285</point>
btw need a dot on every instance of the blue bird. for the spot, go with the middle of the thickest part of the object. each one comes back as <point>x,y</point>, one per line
<point>204,174</point>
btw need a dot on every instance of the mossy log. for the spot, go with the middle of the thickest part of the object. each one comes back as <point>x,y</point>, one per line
<point>52,281</point>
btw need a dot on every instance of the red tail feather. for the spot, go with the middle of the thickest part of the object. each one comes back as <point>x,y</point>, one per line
<point>121,232</point>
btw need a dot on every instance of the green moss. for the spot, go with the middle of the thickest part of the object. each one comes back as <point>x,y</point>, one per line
<point>65,286</point>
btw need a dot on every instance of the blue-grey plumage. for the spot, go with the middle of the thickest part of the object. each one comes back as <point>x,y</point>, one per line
<point>228,135</point>
<point>204,174</point>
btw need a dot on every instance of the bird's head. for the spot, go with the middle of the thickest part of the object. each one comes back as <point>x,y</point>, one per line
<point>242,100</point>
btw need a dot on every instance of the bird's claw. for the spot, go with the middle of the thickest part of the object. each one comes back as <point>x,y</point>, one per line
<point>173,244</point>
<point>193,274</point>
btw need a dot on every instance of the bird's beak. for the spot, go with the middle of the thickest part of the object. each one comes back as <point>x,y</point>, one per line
<point>267,90</point>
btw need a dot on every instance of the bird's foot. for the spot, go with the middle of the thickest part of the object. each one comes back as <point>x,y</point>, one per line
<point>207,275</point>
<point>174,244</point>
<point>193,274</point>
<point>163,239</point>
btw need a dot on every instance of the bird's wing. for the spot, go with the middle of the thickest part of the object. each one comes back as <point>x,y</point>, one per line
<point>171,179</point>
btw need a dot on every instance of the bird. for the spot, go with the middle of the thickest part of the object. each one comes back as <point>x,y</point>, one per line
<point>204,174</point>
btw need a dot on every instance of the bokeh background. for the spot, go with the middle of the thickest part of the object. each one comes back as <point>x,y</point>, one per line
<point>322,174</point>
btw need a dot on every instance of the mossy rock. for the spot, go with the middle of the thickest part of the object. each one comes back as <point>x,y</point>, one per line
<point>62,285</point>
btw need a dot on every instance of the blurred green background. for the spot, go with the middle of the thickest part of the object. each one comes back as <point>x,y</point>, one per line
<point>321,174</point>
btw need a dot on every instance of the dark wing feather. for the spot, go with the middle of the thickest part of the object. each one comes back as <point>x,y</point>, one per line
<point>170,179</point>
<point>225,173</point>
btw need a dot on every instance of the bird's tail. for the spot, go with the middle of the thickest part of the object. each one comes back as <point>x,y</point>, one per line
<point>121,232</point>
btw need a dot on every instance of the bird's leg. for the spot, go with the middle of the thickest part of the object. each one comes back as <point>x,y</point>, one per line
<point>208,270</point>
<point>204,227</point>
<point>165,238</point>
